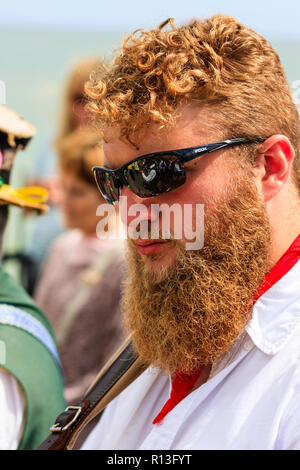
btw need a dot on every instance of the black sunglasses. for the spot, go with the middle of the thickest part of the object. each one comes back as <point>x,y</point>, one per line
<point>155,173</point>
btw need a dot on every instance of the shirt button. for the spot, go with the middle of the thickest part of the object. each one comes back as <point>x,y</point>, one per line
<point>248,345</point>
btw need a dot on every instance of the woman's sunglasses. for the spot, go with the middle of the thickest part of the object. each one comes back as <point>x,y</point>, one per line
<point>155,173</point>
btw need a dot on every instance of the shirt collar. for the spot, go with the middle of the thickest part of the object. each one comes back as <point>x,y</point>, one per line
<point>276,314</point>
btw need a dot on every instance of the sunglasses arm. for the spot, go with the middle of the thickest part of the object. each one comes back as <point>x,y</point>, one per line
<point>195,152</point>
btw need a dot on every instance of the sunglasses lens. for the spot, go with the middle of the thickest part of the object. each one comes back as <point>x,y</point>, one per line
<point>153,176</point>
<point>108,185</point>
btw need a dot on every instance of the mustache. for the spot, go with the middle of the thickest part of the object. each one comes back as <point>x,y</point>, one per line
<point>145,233</point>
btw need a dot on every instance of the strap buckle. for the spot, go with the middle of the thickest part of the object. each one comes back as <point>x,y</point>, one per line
<point>57,427</point>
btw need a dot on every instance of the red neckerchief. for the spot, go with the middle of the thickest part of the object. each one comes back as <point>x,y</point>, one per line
<point>182,384</point>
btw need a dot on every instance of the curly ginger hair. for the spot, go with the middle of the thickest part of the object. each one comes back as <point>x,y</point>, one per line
<point>217,62</point>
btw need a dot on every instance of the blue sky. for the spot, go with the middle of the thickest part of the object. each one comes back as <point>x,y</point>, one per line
<point>275,19</point>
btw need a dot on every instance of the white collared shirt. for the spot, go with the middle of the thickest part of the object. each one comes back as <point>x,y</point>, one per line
<point>250,401</point>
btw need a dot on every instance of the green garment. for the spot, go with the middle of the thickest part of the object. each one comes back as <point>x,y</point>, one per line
<point>31,356</point>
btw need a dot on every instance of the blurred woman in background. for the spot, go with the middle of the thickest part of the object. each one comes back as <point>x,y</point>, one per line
<point>79,286</point>
<point>74,114</point>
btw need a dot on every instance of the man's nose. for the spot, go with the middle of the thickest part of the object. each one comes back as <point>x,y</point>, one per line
<point>134,208</point>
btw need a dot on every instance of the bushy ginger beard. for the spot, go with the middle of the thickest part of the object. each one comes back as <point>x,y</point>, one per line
<point>190,313</point>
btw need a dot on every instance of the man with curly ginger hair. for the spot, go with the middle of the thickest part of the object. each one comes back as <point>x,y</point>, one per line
<point>202,115</point>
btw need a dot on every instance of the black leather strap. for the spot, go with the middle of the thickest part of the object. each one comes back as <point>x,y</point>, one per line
<point>70,420</point>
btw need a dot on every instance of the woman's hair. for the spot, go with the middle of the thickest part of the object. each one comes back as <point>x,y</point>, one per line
<point>74,90</point>
<point>79,152</point>
<point>217,62</point>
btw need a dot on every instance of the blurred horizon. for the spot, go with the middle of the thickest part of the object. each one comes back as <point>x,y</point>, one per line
<point>273,19</point>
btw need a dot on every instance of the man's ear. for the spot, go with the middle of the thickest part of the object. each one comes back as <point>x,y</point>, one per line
<point>274,165</point>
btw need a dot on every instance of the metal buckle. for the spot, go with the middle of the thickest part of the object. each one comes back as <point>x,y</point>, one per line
<point>56,427</point>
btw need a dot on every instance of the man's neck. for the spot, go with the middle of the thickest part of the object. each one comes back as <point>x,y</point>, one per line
<point>281,241</point>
